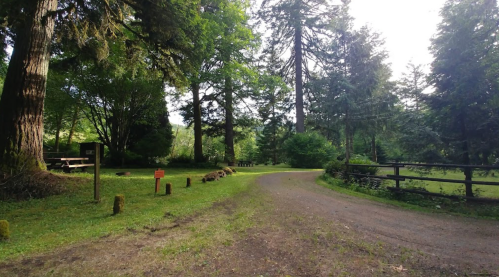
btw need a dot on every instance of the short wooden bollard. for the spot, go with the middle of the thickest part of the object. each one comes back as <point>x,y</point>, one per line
<point>119,204</point>
<point>188,183</point>
<point>4,230</point>
<point>168,188</point>
<point>158,174</point>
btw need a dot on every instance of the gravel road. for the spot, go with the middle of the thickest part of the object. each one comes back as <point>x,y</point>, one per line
<point>451,239</point>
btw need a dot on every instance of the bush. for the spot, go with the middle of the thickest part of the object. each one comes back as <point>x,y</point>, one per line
<point>333,167</point>
<point>362,169</point>
<point>308,150</point>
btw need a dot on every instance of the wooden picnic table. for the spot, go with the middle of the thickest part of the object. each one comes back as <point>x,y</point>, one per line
<point>245,163</point>
<point>67,164</point>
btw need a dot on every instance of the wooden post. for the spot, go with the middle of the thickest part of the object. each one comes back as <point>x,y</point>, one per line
<point>396,168</point>
<point>158,174</point>
<point>468,173</point>
<point>97,172</point>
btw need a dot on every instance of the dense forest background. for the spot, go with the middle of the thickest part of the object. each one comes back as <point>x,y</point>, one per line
<point>273,82</point>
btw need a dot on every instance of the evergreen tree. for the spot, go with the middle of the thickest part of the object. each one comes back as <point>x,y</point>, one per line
<point>411,87</point>
<point>298,27</point>
<point>31,26</point>
<point>273,103</point>
<point>462,106</point>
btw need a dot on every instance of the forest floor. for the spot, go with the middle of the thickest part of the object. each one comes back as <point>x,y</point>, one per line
<point>286,225</point>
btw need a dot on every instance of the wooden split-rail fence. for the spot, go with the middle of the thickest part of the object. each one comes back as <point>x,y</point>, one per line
<point>467,169</point>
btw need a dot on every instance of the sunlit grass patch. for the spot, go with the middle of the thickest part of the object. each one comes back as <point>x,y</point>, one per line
<point>43,224</point>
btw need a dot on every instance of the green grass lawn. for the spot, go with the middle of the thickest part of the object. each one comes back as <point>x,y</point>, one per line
<point>449,188</point>
<point>40,225</point>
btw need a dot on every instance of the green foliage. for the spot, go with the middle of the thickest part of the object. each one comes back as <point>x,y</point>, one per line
<point>308,150</point>
<point>362,169</point>
<point>187,161</point>
<point>3,70</point>
<point>338,168</point>
<point>463,108</point>
<point>412,200</point>
<point>335,167</point>
<point>246,149</point>
<point>154,145</point>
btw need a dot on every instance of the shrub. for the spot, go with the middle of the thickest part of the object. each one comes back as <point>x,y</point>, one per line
<point>4,230</point>
<point>308,150</point>
<point>333,167</point>
<point>362,169</point>
<point>119,204</point>
<point>186,161</point>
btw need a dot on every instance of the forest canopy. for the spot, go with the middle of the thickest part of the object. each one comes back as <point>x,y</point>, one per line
<point>245,78</point>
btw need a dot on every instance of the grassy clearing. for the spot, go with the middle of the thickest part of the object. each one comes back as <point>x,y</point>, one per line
<point>43,224</point>
<point>414,201</point>
<point>451,188</point>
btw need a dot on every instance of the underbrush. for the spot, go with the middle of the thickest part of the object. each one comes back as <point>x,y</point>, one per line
<point>33,185</point>
<point>413,200</point>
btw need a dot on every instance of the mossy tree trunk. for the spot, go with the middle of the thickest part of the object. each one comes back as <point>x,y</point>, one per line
<point>21,105</point>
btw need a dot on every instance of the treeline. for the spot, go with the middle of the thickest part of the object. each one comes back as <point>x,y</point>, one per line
<point>113,64</point>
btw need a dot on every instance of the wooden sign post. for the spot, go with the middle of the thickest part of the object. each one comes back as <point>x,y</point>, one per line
<point>158,174</point>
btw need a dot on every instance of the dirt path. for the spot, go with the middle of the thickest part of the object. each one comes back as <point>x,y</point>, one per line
<point>286,225</point>
<point>461,242</point>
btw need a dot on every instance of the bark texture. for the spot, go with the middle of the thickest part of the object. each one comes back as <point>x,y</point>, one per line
<point>229,123</point>
<point>300,116</point>
<point>21,105</point>
<point>198,135</point>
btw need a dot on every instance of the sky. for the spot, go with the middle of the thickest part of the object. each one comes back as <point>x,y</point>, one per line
<point>406,25</point>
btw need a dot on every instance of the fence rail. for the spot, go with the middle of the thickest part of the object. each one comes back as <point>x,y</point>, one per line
<point>467,169</point>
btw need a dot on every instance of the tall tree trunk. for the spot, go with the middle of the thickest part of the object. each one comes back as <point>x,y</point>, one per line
<point>274,136</point>
<point>300,116</point>
<point>230,156</point>
<point>347,137</point>
<point>351,133</point>
<point>74,120</point>
<point>58,133</point>
<point>374,154</point>
<point>21,105</point>
<point>172,153</point>
<point>198,135</point>
<point>468,172</point>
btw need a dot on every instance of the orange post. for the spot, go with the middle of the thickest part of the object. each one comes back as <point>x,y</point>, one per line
<point>158,174</point>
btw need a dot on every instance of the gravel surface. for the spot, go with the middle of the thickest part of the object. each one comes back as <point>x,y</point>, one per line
<point>459,241</point>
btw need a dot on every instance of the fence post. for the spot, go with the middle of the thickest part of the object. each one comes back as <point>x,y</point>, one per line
<point>468,172</point>
<point>396,170</point>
